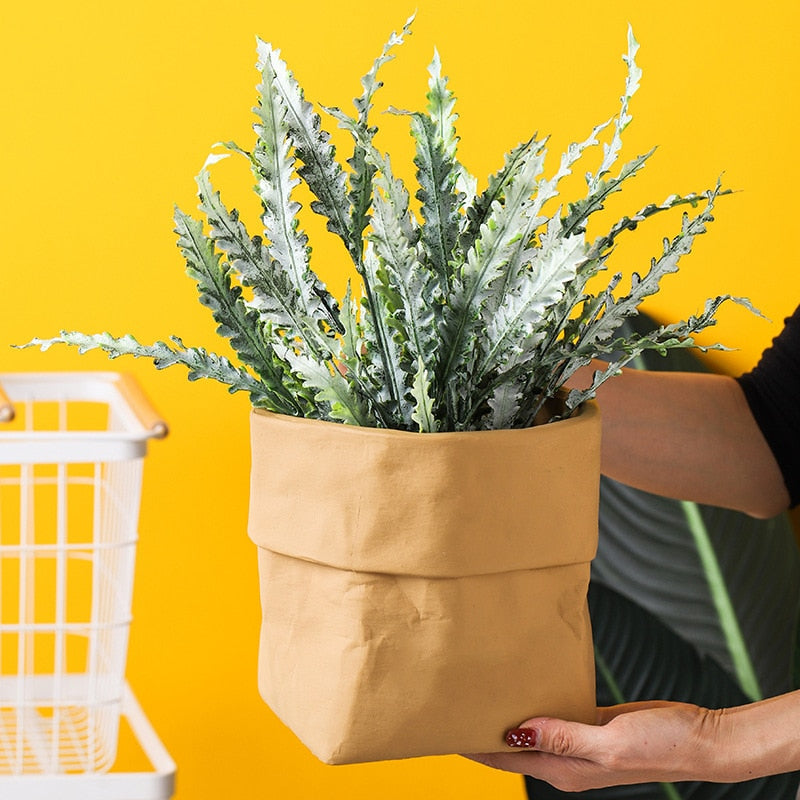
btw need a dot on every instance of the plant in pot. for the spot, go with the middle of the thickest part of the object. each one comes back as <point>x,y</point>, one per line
<point>424,581</point>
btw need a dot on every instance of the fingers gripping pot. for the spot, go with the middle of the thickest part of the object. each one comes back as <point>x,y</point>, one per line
<point>422,593</point>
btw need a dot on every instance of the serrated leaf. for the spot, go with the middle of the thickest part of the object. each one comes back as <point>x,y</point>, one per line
<point>237,322</point>
<point>581,210</point>
<point>320,169</point>
<point>274,167</point>
<point>478,211</point>
<point>504,404</point>
<point>439,201</point>
<point>413,286</point>
<point>515,329</point>
<point>421,391</point>
<point>476,286</point>
<point>378,324</point>
<point>485,262</point>
<point>611,150</point>
<point>441,104</point>
<point>363,170</point>
<point>332,388</point>
<point>370,82</point>
<point>616,310</point>
<point>199,362</point>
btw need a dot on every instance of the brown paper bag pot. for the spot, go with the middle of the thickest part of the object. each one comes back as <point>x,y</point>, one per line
<point>423,593</point>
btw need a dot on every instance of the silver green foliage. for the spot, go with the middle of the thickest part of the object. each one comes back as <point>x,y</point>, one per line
<point>473,307</point>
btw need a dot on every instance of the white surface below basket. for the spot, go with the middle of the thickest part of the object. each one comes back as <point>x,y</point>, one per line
<point>157,784</point>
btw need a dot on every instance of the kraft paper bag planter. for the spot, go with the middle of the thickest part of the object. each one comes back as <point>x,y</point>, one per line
<point>422,593</point>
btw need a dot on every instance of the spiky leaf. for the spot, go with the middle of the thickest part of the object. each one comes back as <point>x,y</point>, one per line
<point>320,169</point>
<point>199,362</point>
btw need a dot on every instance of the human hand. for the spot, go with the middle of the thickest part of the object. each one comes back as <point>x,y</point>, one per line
<point>631,743</point>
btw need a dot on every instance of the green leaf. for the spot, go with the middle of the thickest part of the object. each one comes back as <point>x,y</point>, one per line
<point>444,184</point>
<point>380,328</point>
<point>423,400</point>
<point>514,327</point>
<point>489,291</point>
<point>379,297</point>
<point>362,170</point>
<point>370,82</point>
<point>331,387</point>
<point>485,263</point>
<point>592,334</point>
<point>277,298</point>
<point>361,175</point>
<point>441,102</point>
<point>626,349</point>
<point>479,210</point>
<point>722,602</point>
<point>581,210</point>
<point>409,283</point>
<point>604,243</point>
<point>437,177</point>
<point>504,404</point>
<point>199,362</point>
<point>236,321</point>
<point>274,167</point>
<point>611,151</point>
<point>354,356</point>
<point>320,169</point>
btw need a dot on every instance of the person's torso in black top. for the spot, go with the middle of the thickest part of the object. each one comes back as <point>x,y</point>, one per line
<point>772,390</point>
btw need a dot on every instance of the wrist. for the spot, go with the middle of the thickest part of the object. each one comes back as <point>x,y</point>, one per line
<point>753,740</point>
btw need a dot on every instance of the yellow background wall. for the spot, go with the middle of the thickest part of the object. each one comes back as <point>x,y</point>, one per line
<point>109,110</point>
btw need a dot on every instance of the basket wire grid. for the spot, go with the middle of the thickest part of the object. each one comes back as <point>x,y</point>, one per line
<point>71,456</point>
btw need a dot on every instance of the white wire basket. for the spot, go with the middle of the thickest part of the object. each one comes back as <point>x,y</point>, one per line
<point>72,447</point>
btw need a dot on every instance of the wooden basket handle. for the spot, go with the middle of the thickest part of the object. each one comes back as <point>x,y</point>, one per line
<point>7,412</point>
<point>141,405</point>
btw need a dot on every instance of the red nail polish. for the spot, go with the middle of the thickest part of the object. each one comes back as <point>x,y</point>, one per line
<point>521,737</point>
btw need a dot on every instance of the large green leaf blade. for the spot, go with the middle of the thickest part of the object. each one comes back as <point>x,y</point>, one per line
<point>648,552</point>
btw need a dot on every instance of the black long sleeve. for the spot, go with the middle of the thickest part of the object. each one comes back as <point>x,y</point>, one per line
<point>772,390</point>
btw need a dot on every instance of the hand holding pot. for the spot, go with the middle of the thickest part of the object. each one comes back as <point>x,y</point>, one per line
<point>657,742</point>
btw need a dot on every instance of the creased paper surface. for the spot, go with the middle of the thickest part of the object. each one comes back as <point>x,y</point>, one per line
<point>422,621</point>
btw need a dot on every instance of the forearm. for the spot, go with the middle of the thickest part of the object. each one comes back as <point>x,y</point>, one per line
<point>755,740</point>
<point>689,436</point>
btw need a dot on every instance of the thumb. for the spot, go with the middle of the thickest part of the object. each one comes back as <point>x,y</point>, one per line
<point>556,736</point>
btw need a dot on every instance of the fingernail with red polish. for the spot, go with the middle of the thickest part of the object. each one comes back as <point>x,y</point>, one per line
<point>521,737</point>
